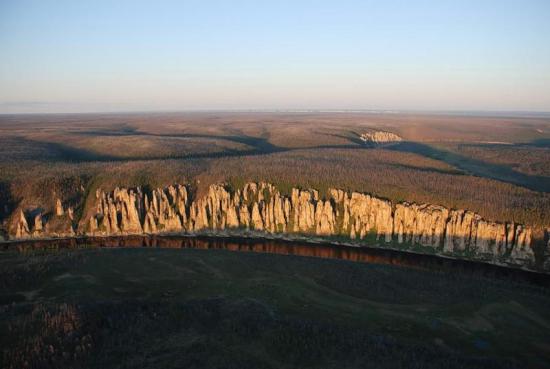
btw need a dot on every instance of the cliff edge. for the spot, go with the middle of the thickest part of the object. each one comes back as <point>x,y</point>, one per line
<point>356,217</point>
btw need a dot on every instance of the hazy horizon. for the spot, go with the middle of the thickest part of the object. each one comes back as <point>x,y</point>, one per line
<point>153,112</point>
<point>75,57</point>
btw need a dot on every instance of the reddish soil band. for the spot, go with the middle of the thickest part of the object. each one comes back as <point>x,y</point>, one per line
<point>363,254</point>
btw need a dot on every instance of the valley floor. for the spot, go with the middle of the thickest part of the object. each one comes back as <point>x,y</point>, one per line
<point>115,308</point>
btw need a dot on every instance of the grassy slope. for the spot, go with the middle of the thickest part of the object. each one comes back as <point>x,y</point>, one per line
<point>197,308</point>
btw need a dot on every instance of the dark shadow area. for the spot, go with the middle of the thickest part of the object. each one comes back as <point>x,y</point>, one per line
<point>258,143</point>
<point>344,147</point>
<point>73,154</point>
<point>366,253</point>
<point>477,167</point>
<point>428,169</point>
<point>20,148</point>
<point>7,202</point>
<point>124,131</point>
<point>353,138</point>
<point>541,142</point>
<point>205,307</point>
<point>53,151</point>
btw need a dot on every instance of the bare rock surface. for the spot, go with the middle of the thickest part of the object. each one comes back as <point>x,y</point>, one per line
<point>380,138</point>
<point>353,216</point>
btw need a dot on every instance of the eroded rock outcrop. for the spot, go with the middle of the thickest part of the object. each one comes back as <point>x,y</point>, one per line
<point>380,138</point>
<point>20,226</point>
<point>421,224</point>
<point>38,225</point>
<point>57,224</point>
<point>59,208</point>
<point>262,207</point>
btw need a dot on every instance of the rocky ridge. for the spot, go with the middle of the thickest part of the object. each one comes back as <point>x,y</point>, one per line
<point>357,217</point>
<point>380,137</point>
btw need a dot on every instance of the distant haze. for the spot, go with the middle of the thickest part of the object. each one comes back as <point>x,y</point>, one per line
<point>86,56</point>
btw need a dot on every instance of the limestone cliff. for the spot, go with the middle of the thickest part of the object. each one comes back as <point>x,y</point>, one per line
<point>357,217</point>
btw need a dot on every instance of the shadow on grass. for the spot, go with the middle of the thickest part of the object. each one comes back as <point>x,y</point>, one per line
<point>353,137</point>
<point>262,146</point>
<point>477,167</point>
<point>541,142</point>
<point>429,169</point>
<point>258,143</point>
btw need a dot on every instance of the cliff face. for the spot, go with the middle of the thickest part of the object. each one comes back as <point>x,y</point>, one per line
<point>261,207</point>
<point>380,137</point>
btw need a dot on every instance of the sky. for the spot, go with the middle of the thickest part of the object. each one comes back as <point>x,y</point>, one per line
<point>103,56</point>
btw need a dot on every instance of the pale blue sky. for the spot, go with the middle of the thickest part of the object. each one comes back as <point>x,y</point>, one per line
<point>71,56</point>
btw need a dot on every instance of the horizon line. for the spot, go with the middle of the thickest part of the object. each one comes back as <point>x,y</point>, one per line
<point>474,112</point>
